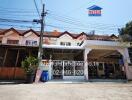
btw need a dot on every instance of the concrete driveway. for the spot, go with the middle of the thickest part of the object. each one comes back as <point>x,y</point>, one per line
<point>63,91</point>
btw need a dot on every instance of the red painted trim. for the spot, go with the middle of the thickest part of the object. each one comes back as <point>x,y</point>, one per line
<point>11,29</point>
<point>66,33</point>
<point>51,35</point>
<point>31,30</point>
<point>81,35</point>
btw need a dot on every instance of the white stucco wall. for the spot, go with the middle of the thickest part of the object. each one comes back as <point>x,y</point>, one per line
<point>30,36</point>
<point>65,38</point>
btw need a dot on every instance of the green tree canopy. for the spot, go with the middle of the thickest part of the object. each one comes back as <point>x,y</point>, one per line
<point>126,32</point>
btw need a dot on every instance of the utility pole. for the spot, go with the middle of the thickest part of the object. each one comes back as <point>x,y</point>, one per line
<point>40,51</point>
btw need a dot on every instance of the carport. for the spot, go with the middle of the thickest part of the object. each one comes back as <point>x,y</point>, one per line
<point>105,64</point>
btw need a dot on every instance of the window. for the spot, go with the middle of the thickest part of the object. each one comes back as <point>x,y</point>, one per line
<point>12,41</point>
<point>65,43</point>
<point>62,43</point>
<point>68,44</point>
<point>31,42</point>
<point>28,42</point>
<point>34,42</point>
<point>78,44</point>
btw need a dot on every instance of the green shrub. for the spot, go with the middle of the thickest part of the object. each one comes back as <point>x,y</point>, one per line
<point>30,64</point>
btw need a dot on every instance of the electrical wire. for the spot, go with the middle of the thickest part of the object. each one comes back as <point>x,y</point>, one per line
<point>76,23</point>
<point>75,29</point>
<point>41,2</point>
<point>68,18</point>
<point>77,9</point>
<point>16,9</point>
<point>14,25</point>
<point>36,8</point>
<point>25,21</point>
<point>14,20</point>
<point>77,20</point>
<point>50,25</point>
<point>57,17</point>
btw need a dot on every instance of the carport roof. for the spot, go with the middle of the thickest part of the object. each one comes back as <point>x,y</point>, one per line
<point>63,47</point>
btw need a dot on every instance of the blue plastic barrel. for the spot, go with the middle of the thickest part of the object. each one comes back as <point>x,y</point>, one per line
<point>44,76</point>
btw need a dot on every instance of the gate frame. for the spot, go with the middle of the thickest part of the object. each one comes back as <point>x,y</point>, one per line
<point>68,77</point>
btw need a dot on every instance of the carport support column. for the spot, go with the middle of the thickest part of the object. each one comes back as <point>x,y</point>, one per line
<point>86,51</point>
<point>50,69</point>
<point>126,60</point>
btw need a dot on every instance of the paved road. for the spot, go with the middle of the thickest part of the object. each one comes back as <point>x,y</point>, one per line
<point>62,91</point>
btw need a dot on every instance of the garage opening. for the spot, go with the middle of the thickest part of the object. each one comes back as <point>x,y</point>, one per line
<point>105,64</point>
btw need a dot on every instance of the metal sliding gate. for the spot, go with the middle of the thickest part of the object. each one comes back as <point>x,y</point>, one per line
<point>65,69</point>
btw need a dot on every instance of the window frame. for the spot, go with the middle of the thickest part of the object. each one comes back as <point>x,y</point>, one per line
<point>65,43</point>
<point>10,41</point>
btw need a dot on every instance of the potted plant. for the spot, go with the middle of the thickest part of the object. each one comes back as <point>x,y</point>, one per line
<point>30,65</point>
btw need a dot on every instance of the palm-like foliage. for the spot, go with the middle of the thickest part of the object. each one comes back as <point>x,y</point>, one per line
<point>30,64</point>
<point>125,33</point>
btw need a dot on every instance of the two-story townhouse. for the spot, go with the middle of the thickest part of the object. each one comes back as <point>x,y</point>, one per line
<point>67,55</point>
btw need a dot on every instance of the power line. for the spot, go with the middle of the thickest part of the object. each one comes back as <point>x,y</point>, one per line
<point>14,20</point>
<point>51,25</point>
<point>76,23</point>
<point>25,21</point>
<point>16,15</point>
<point>16,9</point>
<point>73,29</point>
<point>71,23</point>
<point>77,9</point>
<point>60,27</point>
<point>68,18</point>
<point>63,27</point>
<point>77,20</point>
<point>22,26</point>
<point>41,2</point>
<point>37,8</point>
<point>65,19</point>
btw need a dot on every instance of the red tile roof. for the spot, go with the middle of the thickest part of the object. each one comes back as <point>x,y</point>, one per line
<point>58,34</point>
<point>11,29</point>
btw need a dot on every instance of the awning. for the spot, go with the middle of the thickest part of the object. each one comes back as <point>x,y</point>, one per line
<point>63,47</point>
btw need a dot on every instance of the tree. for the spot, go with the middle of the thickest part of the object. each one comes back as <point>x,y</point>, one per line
<point>125,33</point>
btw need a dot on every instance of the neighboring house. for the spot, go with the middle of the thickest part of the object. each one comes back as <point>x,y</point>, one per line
<point>67,55</point>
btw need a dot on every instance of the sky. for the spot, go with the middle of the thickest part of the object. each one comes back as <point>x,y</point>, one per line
<point>68,15</point>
